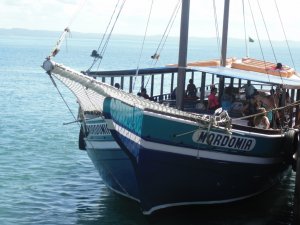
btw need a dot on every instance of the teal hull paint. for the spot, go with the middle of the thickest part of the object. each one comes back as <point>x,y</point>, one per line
<point>167,177</point>
<point>177,133</point>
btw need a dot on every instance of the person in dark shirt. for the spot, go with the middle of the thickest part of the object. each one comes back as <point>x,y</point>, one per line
<point>191,89</point>
<point>117,85</point>
<point>144,93</point>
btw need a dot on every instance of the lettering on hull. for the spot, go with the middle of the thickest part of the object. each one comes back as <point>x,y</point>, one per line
<point>224,140</point>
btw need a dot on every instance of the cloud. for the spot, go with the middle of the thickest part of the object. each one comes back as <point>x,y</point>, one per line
<point>94,15</point>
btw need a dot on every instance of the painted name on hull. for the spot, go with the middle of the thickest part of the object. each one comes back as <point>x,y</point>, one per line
<point>223,140</point>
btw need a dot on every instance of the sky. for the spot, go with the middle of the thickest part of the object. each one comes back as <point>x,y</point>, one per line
<point>92,16</point>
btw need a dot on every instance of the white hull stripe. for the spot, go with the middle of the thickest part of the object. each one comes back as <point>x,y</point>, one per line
<point>193,152</point>
<point>199,203</point>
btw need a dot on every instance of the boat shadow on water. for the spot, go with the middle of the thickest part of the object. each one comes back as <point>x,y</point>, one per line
<point>271,207</point>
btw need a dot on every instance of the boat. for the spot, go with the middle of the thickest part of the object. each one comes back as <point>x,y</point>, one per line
<point>181,154</point>
<point>112,163</point>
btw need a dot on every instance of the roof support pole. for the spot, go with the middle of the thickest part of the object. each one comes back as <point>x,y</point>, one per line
<point>183,46</point>
<point>224,44</point>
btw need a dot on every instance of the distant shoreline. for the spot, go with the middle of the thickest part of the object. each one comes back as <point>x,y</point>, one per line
<point>76,34</point>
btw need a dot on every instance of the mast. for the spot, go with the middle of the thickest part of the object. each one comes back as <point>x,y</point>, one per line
<point>224,44</point>
<point>183,45</point>
<point>225,33</point>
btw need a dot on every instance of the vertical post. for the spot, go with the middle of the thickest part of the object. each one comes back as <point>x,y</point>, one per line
<point>152,85</point>
<point>162,83</point>
<point>231,82</point>
<point>130,84</point>
<point>122,82</point>
<point>225,33</point>
<point>183,45</point>
<point>172,82</point>
<point>112,81</point>
<point>224,44</point>
<point>202,88</point>
<point>142,81</point>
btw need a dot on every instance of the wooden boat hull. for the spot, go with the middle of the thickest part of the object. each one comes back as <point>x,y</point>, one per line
<point>112,163</point>
<point>176,170</point>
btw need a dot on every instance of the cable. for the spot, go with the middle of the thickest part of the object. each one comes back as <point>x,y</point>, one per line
<point>284,34</point>
<point>53,81</point>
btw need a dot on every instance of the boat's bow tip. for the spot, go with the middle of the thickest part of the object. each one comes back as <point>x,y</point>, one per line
<point>48,65</point>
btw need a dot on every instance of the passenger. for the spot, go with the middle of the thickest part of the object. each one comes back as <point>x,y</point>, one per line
<point>251,108</point>
<point>117,85</point>
<point>250,90</point>
<point>278,66</point>
<point>173,94</point>
<point>262,121</point>
<point>213,102</point>
<point>144,93</point>
<point>227,98</point>
<point>191,89</point>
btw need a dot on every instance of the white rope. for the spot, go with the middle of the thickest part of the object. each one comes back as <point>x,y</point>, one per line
<point>91,93</point>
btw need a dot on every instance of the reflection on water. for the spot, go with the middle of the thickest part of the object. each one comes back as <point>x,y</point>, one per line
<point>272,208</point>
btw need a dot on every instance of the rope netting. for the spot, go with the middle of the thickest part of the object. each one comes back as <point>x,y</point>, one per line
<point>91,93</point>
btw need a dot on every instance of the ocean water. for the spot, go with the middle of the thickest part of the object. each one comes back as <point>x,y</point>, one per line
<point>45,179</point>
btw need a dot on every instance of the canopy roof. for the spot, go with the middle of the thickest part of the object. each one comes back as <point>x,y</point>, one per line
<point>132,72</point>
<point>291,83</point>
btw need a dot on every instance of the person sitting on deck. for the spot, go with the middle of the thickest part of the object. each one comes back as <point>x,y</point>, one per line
<point>261,121</point>
<point>117,85</point>
<point>191,89</point>
<point>227,98</point>
<point>278,66</point>
<point>173,94</point>
<point>250,90</point>
<point>144,93</point>
<point>213,102</point>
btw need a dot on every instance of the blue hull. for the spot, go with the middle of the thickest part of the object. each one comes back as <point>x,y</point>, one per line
<point>113,165</point>
<point>116,171</point>
<point>173,171</point>
<point>167,180</point>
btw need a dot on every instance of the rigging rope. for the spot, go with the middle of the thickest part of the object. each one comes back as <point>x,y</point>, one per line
<point>164,37</point>
<point>143,43</point>
<point>54,83</point>
<point>296,103</point>
<point>108,25</point>
<point>66,30</point>
<point>99,56</point>
<point>217,27</point>
<point>260,46</point>
<point>284,34</point>
<point>245,30</point>
<point>166,33</point>
<point>269,38</point>
<point>109,35</point>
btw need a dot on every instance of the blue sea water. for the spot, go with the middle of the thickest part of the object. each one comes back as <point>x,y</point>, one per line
<point>45,179</point>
